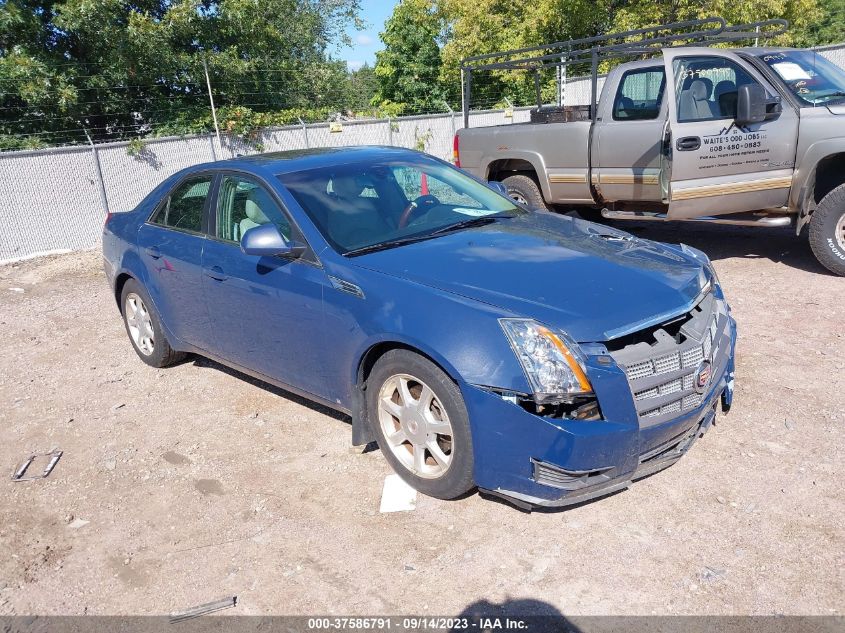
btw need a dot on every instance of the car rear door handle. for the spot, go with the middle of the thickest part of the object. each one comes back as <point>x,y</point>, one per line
<point>688,143</point>
<point>216,273</point>
<point>153,252</point>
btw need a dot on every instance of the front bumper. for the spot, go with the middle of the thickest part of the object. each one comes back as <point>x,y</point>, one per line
<point>532,460</point>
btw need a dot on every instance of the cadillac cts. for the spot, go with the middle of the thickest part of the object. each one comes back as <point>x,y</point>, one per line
<point>539,357</point>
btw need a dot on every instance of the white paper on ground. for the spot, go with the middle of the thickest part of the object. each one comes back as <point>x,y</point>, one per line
<point>397,496</point>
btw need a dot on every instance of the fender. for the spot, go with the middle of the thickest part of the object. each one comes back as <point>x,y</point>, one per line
<point>536,160</point>
<point>801,196</point>
<point>362,434</point>
<point>131,266</point>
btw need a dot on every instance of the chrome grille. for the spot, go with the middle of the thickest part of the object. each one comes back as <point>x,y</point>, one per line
<point>661,367</point>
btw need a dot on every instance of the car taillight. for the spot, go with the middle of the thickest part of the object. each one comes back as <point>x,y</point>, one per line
<point>108,217</point>
<point>456,157</point>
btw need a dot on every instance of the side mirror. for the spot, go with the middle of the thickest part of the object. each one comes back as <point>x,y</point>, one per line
<point>499,187</point>
<point>751,104</point>
<point>266,241</point>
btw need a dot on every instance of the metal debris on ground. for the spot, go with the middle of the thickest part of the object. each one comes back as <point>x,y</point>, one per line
<point>397,496</point>
<point>203,609</point>
<point>20,471</point>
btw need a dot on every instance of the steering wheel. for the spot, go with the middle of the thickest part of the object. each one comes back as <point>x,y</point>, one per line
<point>425,203</point>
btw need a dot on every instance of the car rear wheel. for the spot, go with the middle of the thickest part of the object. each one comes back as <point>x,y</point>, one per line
<point>420,422</point>
<point>526,191</point>
<point>827,231</point>
<point>144,327</point>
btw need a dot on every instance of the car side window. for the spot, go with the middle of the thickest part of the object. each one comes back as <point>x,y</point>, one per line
<point>639,95</point>
<point>243,204</point>
<point>183,208</point>
<point>707,87</point>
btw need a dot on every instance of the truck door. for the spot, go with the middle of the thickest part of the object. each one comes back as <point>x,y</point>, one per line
<point>710,164</point>
<point>626,150</point>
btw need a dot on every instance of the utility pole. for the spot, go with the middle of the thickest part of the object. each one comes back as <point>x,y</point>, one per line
<point>211,101</point>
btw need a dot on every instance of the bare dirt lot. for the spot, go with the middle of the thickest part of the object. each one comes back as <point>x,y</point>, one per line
<point>198,483</point>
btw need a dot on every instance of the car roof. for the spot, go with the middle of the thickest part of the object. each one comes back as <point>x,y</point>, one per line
<point>278,163</point>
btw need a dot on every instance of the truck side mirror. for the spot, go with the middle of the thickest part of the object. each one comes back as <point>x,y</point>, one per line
<point>751,104</point>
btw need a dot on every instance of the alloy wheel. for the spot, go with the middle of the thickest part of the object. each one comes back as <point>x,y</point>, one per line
<point>416,426</point>
<point>140,324</point>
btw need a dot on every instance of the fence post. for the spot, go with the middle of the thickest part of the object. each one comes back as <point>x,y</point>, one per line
<point>451,116</point>
<point>211,101</point>
<point>304,132</point>
<point>98,174</point>
<point>389,131</point>
<point>213,150</point>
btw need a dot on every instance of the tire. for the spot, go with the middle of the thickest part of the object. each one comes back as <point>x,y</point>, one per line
<point>407,434</point>
<point>143,327</point>
<point>827,231</point>
<point>525,190</point>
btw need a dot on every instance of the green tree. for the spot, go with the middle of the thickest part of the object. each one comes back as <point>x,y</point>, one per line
<point>363,86</point>
<point>830,28</point>
<point>408,68</point>
<point>118,69</point>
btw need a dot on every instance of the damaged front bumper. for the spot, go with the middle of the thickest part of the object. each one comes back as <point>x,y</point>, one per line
<point>537,461</point>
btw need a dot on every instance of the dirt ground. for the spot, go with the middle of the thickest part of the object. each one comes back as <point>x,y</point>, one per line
<point>198,483</point>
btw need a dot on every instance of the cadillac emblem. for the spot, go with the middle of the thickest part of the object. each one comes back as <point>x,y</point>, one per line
<point>702,376</point>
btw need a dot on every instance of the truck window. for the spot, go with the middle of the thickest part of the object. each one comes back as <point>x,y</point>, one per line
<point>706,88</point>
<point>639,95</point>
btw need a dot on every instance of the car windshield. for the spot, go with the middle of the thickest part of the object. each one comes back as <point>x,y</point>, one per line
<point>812,78</point>
<point>365,206</point>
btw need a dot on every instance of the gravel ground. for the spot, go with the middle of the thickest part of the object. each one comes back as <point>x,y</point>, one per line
<point>182,486</point>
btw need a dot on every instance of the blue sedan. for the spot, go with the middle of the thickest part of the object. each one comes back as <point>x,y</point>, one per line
<point>538,357</point>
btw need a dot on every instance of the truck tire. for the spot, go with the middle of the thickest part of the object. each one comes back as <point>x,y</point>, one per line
<point>827,231</point>
<point>525,190</point>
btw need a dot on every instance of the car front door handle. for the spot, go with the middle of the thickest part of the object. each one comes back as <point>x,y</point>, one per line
<point>216,273</point>
<point>153,252</point>
<point>688,143</point>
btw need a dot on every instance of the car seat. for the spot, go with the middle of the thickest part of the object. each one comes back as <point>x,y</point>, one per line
<point>694,102</point>
<point>256,200</point>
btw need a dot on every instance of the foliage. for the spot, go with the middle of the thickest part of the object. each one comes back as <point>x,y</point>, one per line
<point>830,27</point>
<point>120,69</point>
<point>407,70</point>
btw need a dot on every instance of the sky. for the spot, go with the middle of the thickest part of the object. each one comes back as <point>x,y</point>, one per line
<point>365,43</point>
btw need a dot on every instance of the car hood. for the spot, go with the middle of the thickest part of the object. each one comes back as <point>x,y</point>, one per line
<point>594,282</point>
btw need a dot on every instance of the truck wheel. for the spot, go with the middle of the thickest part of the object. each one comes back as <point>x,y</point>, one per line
<point>421,424</point>
<point>526,191</point>
<point>827,231</point>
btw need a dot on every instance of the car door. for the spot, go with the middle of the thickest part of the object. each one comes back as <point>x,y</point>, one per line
<point>267,312</point>
<point>628,137</point>
<point>170,245</point>
<point>711,164</point>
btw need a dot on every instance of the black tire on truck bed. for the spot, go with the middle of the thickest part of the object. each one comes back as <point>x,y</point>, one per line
<point>525,189</point>
<point>827,231</point>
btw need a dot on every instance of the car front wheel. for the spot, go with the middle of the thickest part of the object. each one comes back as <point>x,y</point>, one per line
<point>420,422</point>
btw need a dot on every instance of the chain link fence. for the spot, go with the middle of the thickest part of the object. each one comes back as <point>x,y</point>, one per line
<point>55,200</point>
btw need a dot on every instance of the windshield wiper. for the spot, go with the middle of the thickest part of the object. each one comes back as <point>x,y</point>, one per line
<point>383,246</point>
<point>477,221</point>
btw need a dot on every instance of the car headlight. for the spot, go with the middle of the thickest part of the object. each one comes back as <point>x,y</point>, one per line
<point>552,362</point>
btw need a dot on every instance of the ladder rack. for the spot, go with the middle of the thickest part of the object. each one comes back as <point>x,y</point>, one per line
<point>594,50</point>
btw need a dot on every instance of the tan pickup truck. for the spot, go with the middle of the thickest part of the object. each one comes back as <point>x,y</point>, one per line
<point>750,136</point>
